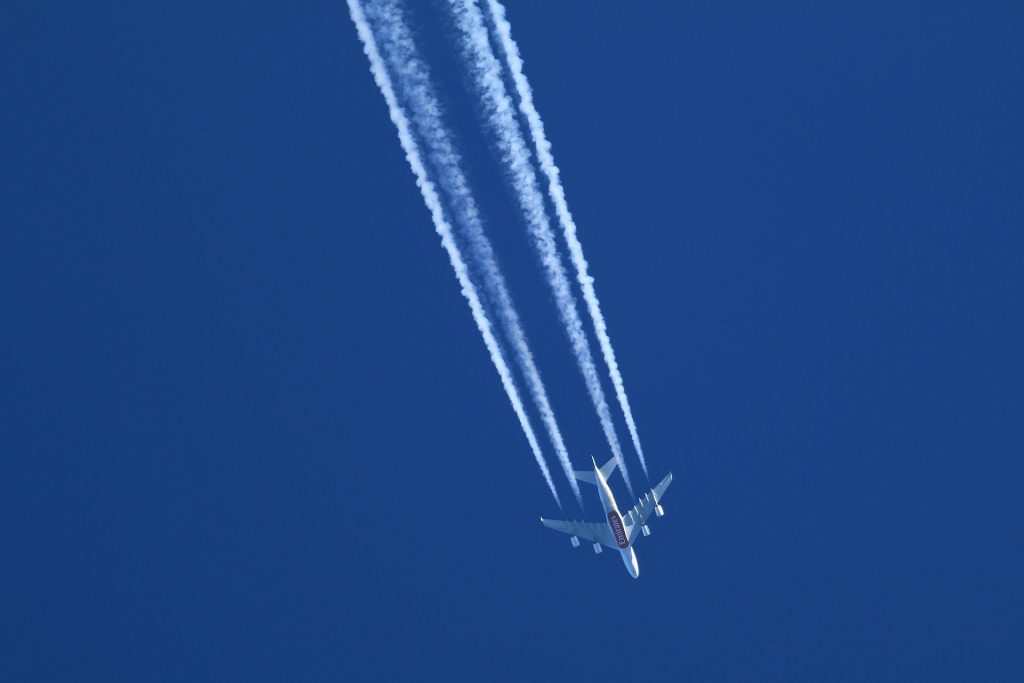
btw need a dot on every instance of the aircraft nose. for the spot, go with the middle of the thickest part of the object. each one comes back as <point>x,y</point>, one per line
<point>629,559</point>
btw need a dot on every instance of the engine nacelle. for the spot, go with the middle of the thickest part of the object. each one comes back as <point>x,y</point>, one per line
<point>597,548</point>
<point>646,529</point>
<point>575,541</point>
<point>658,510</point>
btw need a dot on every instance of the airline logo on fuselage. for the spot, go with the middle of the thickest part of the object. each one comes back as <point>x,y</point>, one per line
<point>616,524</point>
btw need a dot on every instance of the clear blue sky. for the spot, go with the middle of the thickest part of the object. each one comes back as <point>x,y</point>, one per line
<point>249,430</point>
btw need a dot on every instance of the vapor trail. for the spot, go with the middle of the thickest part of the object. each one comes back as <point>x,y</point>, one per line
<point>416,87</point>
<point>444,230</point>
<point>503,30</point>
<point>501,118</point>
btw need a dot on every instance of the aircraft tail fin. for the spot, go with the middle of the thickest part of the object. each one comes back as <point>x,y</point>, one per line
<point>606,471</point>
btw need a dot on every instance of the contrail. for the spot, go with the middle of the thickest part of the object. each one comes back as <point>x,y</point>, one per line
<point>444,230</point>
<point>501,118</point>
<point>503,30</point>
<point>416,87</point>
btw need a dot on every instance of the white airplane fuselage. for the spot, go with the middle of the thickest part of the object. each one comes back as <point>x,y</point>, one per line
<point>615,523</point>
<point>622,531</point>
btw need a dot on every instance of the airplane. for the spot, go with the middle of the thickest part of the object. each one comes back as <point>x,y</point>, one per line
<point>617,532</point>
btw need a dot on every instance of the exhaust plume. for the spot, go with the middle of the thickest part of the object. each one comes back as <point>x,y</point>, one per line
<point>444,230</point>
<point>501,119</point>
<point>418,90</point>
<point>503,31</point>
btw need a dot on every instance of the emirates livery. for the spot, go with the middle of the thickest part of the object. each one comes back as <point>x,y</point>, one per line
<point>618,532</point>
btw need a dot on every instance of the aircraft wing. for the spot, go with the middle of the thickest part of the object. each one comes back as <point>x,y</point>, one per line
<point>591,531</point>
<point>639,513</point>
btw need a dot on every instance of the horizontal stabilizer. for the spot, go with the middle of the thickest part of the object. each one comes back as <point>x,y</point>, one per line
<point>590,478</point>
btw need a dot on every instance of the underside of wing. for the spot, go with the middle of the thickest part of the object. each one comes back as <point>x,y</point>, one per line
<point>651,501</point>
<point>589,531</point>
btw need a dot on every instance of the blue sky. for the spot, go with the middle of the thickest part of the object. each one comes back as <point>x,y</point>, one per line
<point>250,431</point>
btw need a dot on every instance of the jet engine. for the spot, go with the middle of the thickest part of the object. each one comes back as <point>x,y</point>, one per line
<point>597,548</point>
<point>658,510</point>
<point>575,541</point>
<point>646,529</point>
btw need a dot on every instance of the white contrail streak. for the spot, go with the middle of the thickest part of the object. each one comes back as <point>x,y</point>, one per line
<point>418,91</point>
<point>503,30</point>
<point>444,230</point>
<point>501,118</point>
